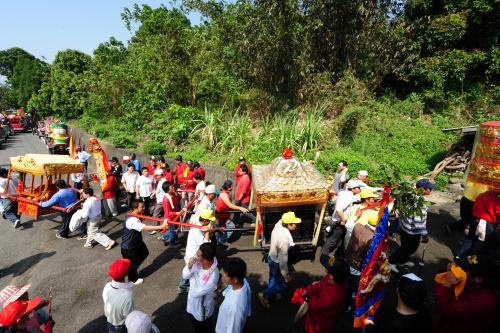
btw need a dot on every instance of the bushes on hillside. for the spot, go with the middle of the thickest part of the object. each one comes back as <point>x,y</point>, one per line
<point>154,148</point>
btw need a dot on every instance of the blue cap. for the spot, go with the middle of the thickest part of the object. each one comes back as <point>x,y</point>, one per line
<point>425,183</point>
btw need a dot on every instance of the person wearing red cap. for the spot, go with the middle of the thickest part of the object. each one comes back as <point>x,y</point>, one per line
<point>37,318</point>
<point>16,315</point>
<point>118,296</point>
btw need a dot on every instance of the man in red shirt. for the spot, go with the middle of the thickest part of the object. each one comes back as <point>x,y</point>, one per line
<point>109,196</point>
<point>223,205</point>
<point>326,299</point>
<point>243,188</point>
<point>169,176</point>
<point>179,170</point>
<point>199,169</point>
<point>481,235</point>
<point>475,309</point>
<point>189,182</point>
<point>152,166</point>
<point>171,208</point>
<point>237,171</point>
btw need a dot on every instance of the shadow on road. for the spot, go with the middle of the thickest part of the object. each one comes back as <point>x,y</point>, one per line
<point>162,259</point>
<point>20,267</point>
<point>97,325</point>
<point>172,317</point>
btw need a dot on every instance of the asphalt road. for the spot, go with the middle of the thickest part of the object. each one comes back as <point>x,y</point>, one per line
<point>32,254</point>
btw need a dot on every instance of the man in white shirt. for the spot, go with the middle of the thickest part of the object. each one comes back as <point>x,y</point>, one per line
<point>83,156</point>
<point>203,275</point>
<point>158,193</point>
<point>77,179</point>
<point>9,207</point>
<point>236,307</point>
<point>118,296</point>
<point>337,231</point>
<point>200,189</point>
<point>132,245</point>
<point>91,212</point>
<point>144,188</point>
<point>281,241</point>
<point>207,202</point>
<point>129,180</point>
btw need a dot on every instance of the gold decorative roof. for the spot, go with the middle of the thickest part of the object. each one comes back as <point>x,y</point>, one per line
<point>41,164</point>
<point>286,180</point>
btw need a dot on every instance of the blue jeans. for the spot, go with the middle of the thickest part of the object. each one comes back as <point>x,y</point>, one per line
<point>170,236</point>
<point>222,237</point>
<point>276,280</point>
<point>10,210</point>
<point>183,284</point>
<point>116,329</point>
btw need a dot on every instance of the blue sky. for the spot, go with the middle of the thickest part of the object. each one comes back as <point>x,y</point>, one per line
<point>44,27</point>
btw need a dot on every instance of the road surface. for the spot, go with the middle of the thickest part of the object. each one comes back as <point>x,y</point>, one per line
<point>32,254</point>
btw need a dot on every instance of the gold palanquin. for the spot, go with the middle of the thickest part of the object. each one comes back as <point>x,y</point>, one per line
<point>287,182</point>
<point>38,173</point>
<point>44,164</point>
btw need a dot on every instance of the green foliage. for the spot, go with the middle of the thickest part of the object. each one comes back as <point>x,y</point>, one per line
<point>407,200</point>
<point>24,73</point>
<point>372,82</point>
<point>173,124</point>
<point>123,140</point>
<point>154,148</point>
<point>208,129</point>
<point>7,101</point>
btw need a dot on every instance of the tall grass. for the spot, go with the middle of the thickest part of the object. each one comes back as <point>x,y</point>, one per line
<point>237,133</point>
<point>208,128</point>
<point>311,129</point>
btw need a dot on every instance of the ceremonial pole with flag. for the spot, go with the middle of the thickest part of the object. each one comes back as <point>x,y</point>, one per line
<point>72,152</point>
<point>376,271</point>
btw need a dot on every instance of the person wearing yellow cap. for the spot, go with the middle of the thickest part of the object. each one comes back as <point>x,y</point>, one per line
<point>281,241</point>
<point>336,232</point>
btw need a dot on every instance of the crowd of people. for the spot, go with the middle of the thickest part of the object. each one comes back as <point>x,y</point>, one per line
<point>464,293</point>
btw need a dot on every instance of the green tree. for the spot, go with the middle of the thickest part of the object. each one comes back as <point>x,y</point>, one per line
<point>24,73</point>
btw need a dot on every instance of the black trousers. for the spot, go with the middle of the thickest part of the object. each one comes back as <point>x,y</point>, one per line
<point>409,244</point>
<point>147,204</point>
<point>335,238</point>
<point>130,199</point>
<point>136,256</point>
<point>64,227</point>
<point>201,326</point>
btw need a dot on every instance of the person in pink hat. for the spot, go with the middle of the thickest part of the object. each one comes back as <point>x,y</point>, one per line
<point>38,320</point>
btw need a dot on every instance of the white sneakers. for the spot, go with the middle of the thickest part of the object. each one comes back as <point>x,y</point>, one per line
<point>139,281</point>
<point>110,245</point>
